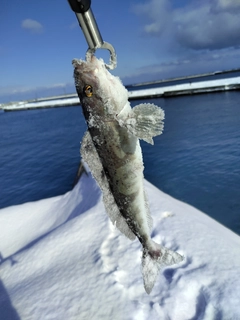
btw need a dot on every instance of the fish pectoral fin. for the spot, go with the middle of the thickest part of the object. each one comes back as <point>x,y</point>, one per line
<point>90,156</point>
<point>145,121</point>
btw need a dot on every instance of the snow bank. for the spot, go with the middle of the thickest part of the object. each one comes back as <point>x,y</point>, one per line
<point>199,86</point>
<point>183,88</point>
<point>42,104</point>
<point>83,268</point>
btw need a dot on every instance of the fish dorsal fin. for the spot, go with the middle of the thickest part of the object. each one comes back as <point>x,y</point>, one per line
<point>145,121</point>
<point>90,156</point>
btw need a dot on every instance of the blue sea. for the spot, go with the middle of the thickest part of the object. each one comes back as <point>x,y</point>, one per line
<point>196,159</point>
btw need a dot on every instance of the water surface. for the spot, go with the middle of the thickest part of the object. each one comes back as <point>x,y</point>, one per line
<point>196,159</point>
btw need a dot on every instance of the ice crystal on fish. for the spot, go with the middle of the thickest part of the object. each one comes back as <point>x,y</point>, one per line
<point>112,151</point>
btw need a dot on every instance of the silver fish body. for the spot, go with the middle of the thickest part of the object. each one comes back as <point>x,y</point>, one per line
<point>111,149</point>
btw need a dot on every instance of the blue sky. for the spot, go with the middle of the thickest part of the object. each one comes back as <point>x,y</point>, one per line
<point>154,39</point>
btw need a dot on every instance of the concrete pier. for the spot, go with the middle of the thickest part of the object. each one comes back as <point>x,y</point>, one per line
<point>163,91</point>
<point>187,88</point>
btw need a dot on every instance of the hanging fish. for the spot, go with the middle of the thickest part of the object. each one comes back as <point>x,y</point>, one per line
<point>112,151</point>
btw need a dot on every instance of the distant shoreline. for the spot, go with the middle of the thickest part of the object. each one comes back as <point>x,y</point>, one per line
<point>201,75</point>
<point>146,90</point>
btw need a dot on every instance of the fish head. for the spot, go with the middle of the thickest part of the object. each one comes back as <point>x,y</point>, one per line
<point>100,92</point>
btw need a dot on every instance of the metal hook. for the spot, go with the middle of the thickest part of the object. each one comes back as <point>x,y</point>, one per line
<point>91,31</point>
<point>113,57</point>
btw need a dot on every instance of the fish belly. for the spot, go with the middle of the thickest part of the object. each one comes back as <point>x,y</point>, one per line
<point>121,157</point>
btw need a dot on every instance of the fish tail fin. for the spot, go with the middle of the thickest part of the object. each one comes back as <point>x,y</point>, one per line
<point>155,258</point>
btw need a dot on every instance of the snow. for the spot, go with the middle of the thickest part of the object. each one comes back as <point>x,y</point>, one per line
<point>42,104</point>
<point>205,86</point>
<point>63,259</point>
<point>200,86</point>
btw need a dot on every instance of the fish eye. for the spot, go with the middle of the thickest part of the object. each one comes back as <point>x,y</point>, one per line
<point>88,91</point>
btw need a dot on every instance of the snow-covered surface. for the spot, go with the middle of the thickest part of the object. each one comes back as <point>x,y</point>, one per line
<point>83,268</point>
<point>200,85</point>
<point>42,104</point>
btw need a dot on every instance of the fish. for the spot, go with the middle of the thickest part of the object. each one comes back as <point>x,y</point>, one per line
<point>112,151</point>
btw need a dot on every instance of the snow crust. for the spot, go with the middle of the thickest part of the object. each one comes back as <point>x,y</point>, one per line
<point>63,259</point>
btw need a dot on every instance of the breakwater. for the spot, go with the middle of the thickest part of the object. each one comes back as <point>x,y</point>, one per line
<point>187,88</point>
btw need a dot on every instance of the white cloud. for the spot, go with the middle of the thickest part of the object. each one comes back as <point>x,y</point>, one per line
<point>157,13</point>
<point>25,89</point>
<point>208,24</point>
<point>4,90</point>
<point>32,25</point>
<point>193,63</point>
<point>226,5</point>
<point>20,93</point>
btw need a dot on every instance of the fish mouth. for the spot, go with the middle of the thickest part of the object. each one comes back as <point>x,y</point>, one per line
<point>92,66</point>
<point>86,72</point>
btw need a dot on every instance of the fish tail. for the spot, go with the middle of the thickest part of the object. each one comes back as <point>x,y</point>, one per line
<point>155,258</point>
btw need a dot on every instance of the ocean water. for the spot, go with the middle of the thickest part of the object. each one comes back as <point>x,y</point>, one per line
<point>196,159</point>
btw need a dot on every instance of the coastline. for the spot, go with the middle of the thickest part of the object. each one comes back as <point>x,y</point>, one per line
<point>189,88</point>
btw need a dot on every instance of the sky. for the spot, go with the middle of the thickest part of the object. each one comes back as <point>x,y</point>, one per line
<point>154,40</point>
